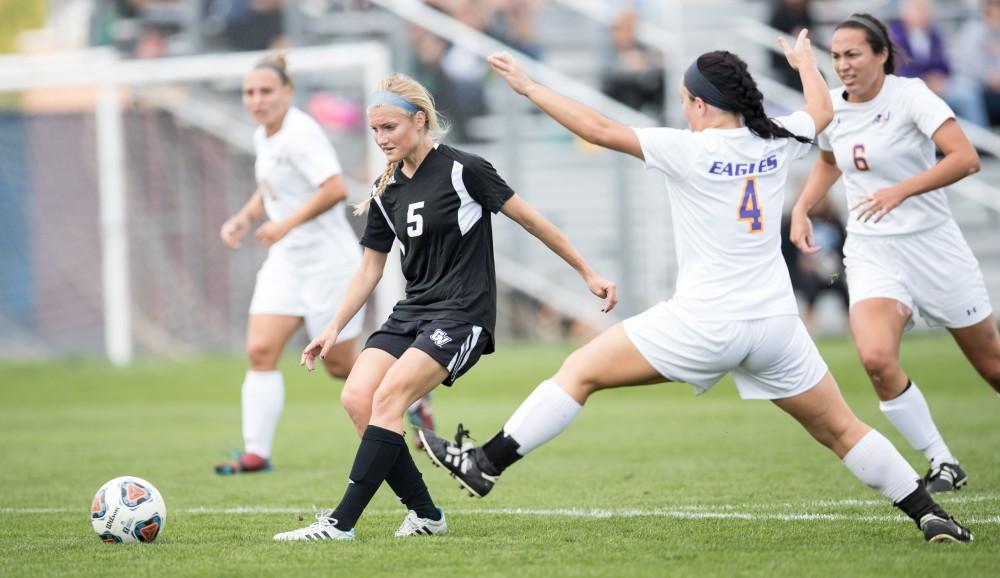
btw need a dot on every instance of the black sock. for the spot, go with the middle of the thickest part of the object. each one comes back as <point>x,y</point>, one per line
<point>920,503</point>
<point>376,455</point>
<point>406,480</point>
<point>501,451</point>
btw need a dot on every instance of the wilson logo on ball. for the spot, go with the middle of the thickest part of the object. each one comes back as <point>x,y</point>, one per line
<point>134,494</point>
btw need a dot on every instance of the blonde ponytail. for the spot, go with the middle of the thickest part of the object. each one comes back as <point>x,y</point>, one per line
<point>383,182</point>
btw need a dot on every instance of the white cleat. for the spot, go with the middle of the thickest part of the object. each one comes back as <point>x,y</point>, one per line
<point>414,526</point>
<point>324,528</point>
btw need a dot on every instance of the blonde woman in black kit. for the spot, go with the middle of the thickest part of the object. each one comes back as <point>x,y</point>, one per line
<point>436,201</point>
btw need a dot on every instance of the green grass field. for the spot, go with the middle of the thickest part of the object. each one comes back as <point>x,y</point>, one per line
<point>648,481</point>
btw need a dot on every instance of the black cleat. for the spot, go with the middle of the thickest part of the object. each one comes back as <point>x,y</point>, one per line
<point>461,460</point>
<point>945,478</point>
<point>943,528</point>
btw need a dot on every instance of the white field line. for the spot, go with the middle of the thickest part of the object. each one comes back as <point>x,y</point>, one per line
<point>771,512</point>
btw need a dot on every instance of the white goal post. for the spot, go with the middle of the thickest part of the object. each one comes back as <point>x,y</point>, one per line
<point>106,72</point>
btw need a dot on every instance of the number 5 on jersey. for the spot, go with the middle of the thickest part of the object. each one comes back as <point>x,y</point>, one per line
<point>414,222</point>
<point>750,208</point>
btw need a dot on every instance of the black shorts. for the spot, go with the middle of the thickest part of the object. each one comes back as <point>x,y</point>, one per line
<point>456,345</point>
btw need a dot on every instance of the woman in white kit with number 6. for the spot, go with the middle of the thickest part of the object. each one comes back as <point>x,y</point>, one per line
<point>312,252</point>
<point>904,249</point>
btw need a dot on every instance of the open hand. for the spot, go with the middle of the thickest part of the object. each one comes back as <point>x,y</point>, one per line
<point>318,347</point>
<point>878,204</point>
<point>511,71</point>
<point>801,54</point>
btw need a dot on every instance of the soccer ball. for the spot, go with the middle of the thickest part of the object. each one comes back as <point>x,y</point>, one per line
<point>128,509</point>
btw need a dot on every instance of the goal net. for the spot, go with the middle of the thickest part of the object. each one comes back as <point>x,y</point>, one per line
<point>115,177</point>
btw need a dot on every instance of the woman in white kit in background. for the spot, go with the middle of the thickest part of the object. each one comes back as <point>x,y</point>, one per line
<point>301,193</point>
<point>904,250</point>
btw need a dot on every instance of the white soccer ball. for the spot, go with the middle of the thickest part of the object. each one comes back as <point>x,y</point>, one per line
<point>128,509</point>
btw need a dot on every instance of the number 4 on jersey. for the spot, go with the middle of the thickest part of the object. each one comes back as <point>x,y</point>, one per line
<point>750,208</point>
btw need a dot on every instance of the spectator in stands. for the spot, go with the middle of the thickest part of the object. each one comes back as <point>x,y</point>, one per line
<point>457,99</point>
<point>452,73</point>
<point>790,17</point>
<point>635,73</point>
<point>513,23</point>
<point>255,24</point>
<point>925,56</point>
<point>979,45</point>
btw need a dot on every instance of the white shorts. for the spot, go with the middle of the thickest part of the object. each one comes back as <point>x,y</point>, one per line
<point>283,289</point>
<point>770,358</point>
<point>933,272</point>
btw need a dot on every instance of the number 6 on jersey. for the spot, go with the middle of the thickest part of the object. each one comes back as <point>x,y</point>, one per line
<point>749,208</point>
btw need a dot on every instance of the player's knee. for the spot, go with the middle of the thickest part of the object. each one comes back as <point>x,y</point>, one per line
<point>388,400</point>
<point>574,374</point>
<point>837,432</point>
<point>355,402</point>
<point>263,356</point>
<point>877,360</point>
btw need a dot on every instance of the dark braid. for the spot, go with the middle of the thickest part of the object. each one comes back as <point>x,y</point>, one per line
<point>728,73</point>
<point>878,42</point>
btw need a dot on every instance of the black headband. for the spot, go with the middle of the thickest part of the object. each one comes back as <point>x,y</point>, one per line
<point>702,88</point>
<point>870,26</point>
<point>281,72</point>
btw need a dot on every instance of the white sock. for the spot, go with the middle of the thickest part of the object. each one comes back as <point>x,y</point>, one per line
<point>874,461</point>
<point>542,416</point>
<point>263,400</point>
<point>912,417</point>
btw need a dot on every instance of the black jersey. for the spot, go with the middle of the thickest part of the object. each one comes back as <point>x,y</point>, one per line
<point>447,239</point>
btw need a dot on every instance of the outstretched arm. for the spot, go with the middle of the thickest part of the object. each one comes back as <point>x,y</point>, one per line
<point>360,287</point>
<point>535,223</point>
<point>818,103</point>
<point>580,119</point>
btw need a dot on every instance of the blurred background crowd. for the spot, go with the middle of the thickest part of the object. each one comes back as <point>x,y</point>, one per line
<point>954,47</point>
<point>628,50</point>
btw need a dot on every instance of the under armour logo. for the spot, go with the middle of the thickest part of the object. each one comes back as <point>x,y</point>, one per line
<point>440,338</point>
<point>969,312</point>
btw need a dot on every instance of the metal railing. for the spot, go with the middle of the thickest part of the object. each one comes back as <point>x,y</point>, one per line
<point>483,45</point>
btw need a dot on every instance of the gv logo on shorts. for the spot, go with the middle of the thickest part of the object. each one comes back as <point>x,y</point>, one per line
<point>440,338</point>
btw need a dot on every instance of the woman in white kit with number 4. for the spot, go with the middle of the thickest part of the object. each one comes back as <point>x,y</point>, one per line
<point>904,250</point>
<point>733,309</point>
<point>312,252</point>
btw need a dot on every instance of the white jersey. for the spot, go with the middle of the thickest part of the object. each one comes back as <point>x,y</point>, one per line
<point>727,189</point>
<point>883,142</point>
<point>290,166</point>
